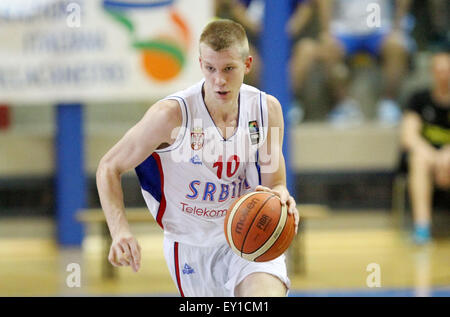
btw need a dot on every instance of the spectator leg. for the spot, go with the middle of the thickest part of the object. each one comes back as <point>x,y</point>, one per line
<point>338,75</point>
<point>395,59</point>
<point>304,57</point>
<point>420,188</point>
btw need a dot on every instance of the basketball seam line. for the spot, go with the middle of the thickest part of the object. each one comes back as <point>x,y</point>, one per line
<point>232,213</point>
<point>269,237</point>
<point>282,220</point>
<point>251,224</point>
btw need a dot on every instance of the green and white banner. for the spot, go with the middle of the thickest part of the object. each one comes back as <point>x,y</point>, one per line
<point>98,50</point>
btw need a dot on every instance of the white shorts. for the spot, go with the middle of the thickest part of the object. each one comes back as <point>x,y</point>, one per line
<point>214,271</point>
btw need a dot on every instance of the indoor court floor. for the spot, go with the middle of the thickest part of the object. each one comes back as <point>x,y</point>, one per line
<point>340,253</point>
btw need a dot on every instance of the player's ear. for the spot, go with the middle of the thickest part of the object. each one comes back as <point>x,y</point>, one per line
<point>248,63</point>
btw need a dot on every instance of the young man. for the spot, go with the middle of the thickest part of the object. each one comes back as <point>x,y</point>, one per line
<point>195,152</point>
<point>425,136</point>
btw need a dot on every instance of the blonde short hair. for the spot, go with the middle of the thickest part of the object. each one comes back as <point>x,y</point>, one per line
<point>223,33</point>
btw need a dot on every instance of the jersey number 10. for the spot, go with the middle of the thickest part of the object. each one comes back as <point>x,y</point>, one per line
<point>231,159</point>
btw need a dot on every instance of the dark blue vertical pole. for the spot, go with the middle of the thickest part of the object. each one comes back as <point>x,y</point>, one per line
<point>276,51</point>
<point>70,180</point>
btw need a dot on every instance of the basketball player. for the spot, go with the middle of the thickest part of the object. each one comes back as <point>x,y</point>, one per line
<point>195,152</point>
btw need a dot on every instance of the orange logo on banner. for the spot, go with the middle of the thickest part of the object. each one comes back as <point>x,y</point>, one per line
<point>162,57</point>
<point>166,62</point>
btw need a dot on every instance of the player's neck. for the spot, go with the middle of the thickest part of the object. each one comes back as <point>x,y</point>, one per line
<point>220,108</point>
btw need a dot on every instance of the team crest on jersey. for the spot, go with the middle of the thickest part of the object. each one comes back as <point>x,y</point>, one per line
<point>197,139</point>
<point>253,129</point>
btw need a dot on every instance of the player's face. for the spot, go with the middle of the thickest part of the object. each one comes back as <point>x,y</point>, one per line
<point>223,71</point>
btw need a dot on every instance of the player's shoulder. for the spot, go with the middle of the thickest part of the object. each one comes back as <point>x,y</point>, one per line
<point>252,93</point>
<point>168,106</point>
<point>273,105</point>
<point>182,96</point>
<point>190,92</point>
<point>164,113</point>
<point>249,89</point>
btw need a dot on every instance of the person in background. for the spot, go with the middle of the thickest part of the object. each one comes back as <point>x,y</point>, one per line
<point>345,31</point>
<point>425,135</point>
<point>305,49</point>
<point>439,16</point>
<point>303,54</point>
<point>248,13</point>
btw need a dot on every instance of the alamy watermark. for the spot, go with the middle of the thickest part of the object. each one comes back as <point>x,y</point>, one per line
<point>373,19</point>
<point>73,19</point>
<point>74,278</point>
<point>374,278</point>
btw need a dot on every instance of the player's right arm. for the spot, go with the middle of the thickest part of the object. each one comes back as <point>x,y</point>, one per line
<point>158,126</point>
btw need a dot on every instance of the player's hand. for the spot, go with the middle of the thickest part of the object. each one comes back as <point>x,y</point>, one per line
<point>125,251</point>
<point>286,200</point>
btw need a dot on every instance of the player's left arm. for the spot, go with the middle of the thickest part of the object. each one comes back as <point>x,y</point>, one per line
<point>271,159</point>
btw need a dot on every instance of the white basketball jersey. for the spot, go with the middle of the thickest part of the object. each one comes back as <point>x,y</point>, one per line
<point>189,185</point>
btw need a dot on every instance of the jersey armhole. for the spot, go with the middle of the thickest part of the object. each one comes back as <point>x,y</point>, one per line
<point>184,124</point>
<point>263,117</point>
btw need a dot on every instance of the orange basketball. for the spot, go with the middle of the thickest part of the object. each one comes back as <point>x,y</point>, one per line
<point>258,228</point>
